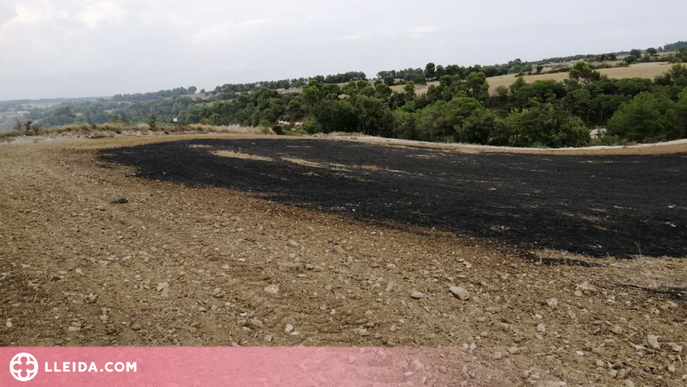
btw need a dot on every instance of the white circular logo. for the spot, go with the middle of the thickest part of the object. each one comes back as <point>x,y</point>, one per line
<point>24,367</point>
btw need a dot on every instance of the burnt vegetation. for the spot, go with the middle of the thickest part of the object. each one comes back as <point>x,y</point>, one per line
<point>618,206</point>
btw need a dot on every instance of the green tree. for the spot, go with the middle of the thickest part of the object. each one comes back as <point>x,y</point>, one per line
<point>335,116</point>
<point>430,71</point>
<point>584,74</point>
<point>652,51</point>
<point>681,113</point>
<point>646,118</point>
<point>404,125</point>
<point>631,59</point>
<point>463,119</point>
<point>409,91</point>
<point>546,125</point>
<point>374,116</point>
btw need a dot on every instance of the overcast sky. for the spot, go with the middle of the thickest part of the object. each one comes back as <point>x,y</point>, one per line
<point>73,48</point>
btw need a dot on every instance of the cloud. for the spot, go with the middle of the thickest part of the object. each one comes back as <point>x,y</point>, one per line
<point>105,11</point>
<point>420,32</point>
<point>27,15</point>
<point>223,31</point>
<point>414,33</point>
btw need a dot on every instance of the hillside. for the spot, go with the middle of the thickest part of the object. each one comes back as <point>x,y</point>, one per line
<point>640,70</point>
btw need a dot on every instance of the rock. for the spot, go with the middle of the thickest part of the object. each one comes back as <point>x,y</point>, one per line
<point>272,289</point>
<point>416,295</point>
<point>552,302</point>
<point>136,326</point>
<point>361,332</point>
<point>629,383</point>
<point>579,353</point>
<point>587,287</point>
<point>73,329</point>
<point>497,356</point>
<point>390,286</point>
<point>653,341</point>
<point>293,243</point>
<point>613,373</point>
<point>617,329</point>
<point>288,328</point>
<point>460,293</point>
<point>514,350</point>
<point>269,338</point>
<point>675,347</point>
<point>671,369</point>
<point>600,363</point>
<point>162,286</point>
<point>9,324</point>
<point>256,323</point>
<point>541,328</point>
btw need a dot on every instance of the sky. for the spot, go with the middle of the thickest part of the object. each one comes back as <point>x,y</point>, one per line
<point>81,48</point>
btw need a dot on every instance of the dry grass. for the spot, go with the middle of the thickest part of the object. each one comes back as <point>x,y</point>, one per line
<point>678,146</point>
<point>238,155</point>
<point>112,130</point>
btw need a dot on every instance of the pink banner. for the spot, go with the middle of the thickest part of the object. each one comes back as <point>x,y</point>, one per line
<point>245,367</point>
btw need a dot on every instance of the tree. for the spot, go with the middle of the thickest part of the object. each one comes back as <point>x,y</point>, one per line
<point>430,71</point>
<point>636,53</point>
<point>405,125</point>
<point>374,116</point>
<point>652,51</point>
<point>477,86</point>
<point>540,68</point>
<point>630,59</point>
<point>646,118</point>
<point>463,119</point>
<point>681,112</point>
<point>335,116</point>
<point>584,74</point>
<point>192,90</point>
<point>409,91</point>
<point>546,125</point>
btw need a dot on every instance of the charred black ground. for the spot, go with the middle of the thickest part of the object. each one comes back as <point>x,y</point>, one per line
<point>594,205</point>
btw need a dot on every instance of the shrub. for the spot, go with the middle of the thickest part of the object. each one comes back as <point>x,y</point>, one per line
<point>545,125</point>
<point>646,118</point>
<point>405,125</point>
<point>462,119</point>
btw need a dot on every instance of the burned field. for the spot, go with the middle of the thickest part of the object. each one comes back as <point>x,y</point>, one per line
<point>618,206</point>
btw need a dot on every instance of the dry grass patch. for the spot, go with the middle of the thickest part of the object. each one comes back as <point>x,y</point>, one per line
<point>244,156</point>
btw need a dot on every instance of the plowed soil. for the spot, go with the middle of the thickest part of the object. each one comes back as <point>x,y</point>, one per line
<point>574,265</point>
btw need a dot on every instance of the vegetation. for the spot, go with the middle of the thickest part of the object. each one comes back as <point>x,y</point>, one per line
<point>457,107</point>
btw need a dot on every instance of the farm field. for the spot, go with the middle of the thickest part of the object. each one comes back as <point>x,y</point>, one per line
<point>640,70</point>
<point>571,267</point>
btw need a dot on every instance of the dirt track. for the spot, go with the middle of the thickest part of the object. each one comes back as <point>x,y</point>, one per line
<point>187,265</point>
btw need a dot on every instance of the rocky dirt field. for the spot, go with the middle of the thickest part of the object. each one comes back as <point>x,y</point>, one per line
<point>189,241</point>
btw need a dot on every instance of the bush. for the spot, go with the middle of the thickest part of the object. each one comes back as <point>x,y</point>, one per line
<point>646,118</point>
<point>681,113</point>
<point>545,125</point>
<point>463,119</point>
<point>335,116</point>
<point>311,126</point>
<point>405,125</point>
